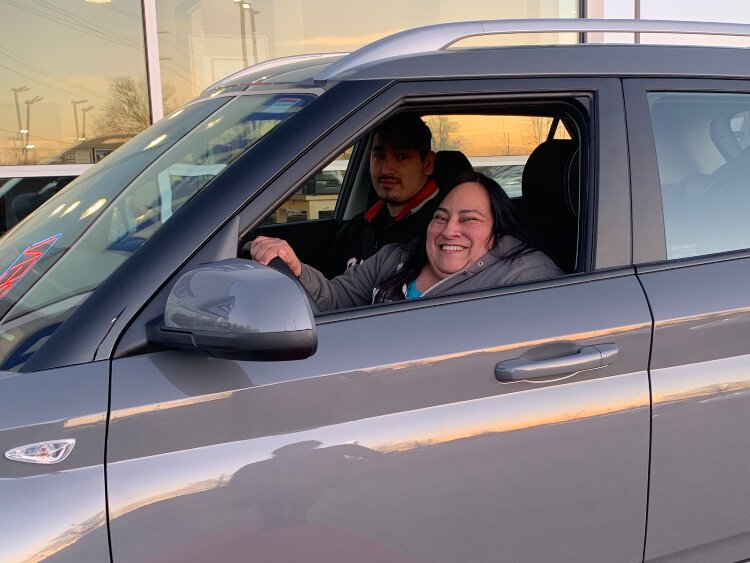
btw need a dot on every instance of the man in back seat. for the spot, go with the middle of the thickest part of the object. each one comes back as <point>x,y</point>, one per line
<point>401,162</point>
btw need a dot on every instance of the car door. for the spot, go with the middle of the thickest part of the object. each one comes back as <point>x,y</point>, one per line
<point>52,435</point>
<point>395,441</point>
<point>689,153</point>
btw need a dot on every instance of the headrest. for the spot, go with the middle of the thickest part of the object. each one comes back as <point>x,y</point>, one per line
<point>449,164</point>
<point>550,183</point>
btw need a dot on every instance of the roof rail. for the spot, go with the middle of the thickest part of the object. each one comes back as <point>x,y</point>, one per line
<point>438,37</point>
<point>270,65</point>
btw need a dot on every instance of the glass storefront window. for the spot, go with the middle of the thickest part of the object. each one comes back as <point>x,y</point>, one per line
<point>736,12</point>
<point>75,70</point>
<point>73,77</point>
<point>202,41</point>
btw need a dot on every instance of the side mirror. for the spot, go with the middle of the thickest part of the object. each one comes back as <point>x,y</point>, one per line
<point>238,310</point>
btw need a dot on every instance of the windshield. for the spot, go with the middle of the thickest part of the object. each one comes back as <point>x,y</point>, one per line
<point>74,241</point>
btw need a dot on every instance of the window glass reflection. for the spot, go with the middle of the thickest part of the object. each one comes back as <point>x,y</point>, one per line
<point>73,80</point>
<point>202,41</point>
<point>704,161</point>
<point>20,196</point>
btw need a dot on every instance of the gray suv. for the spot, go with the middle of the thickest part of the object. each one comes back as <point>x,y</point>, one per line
<point>164,398</point>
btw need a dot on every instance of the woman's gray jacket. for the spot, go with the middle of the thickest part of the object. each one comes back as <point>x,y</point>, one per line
<point>359,285</point>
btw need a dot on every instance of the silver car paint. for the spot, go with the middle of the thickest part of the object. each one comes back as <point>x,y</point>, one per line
<point>399,445</point>
<point>54,512</point>
<point>700,491</point>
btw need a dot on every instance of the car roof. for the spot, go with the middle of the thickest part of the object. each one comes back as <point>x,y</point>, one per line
<point>404,46</point>
<point>564,60</point>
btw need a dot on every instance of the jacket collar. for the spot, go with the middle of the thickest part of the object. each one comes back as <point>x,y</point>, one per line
<point>507,244</point>
<point>428,191</point>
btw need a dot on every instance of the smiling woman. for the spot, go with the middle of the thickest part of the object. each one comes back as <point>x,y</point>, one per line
<point>473,242</point>
<point>460,233</point>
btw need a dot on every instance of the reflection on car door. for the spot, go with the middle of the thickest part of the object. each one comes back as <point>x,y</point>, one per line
<point>394,441</point>
<point>700,372</point>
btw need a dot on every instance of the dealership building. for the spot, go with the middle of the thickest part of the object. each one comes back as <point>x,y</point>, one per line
<point>80,77</point>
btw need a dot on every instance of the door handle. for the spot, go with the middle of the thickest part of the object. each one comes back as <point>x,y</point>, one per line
<point>587,357</point>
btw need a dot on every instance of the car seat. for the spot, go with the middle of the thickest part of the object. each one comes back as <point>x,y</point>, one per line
<point>551,193</point>
<point>449,164</point>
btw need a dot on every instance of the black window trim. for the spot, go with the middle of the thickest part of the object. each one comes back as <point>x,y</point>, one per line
<point>608,240</point>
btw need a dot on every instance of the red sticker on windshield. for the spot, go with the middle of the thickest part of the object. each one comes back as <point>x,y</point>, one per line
<point>24,263</point>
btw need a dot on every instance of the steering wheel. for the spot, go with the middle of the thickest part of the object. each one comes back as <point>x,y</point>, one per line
<point>280,266</point>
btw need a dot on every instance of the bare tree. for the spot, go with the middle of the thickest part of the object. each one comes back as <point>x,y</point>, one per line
<point>442,128</point>
<point>127,109</point>
<point>539,129</point>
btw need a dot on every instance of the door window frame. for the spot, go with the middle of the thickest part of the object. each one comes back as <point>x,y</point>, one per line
<point>608,246</point>
<point>608,198</point>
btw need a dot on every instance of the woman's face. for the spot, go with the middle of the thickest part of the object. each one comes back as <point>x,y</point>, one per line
<point>460,231</point>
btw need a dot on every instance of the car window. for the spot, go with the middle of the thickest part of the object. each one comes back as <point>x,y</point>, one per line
<point>318,197</point>
<point>499,146</point>
<point>496,145</point>
<point>702,148</point>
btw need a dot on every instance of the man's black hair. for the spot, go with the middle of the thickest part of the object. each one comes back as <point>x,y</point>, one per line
<point>408,130</point>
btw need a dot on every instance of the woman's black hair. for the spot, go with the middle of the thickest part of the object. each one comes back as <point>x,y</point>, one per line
<point>504,222</point>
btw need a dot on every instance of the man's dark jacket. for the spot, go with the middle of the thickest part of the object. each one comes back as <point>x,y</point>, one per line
<point>364,234</point>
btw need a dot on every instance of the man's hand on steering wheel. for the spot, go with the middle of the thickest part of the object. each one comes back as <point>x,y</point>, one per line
<point>265,249</point>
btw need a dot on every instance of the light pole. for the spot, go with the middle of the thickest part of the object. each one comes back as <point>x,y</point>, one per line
<point>28,146</point>
<point>242,32</point>
<point>83,112</point>
<point>637,10</point>
<point>253,13</point>
<point>75,115</point>
<point>16,91</point>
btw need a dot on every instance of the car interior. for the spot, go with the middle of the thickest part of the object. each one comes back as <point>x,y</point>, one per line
<point>534,153</point>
